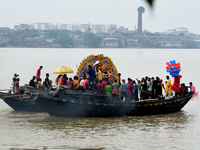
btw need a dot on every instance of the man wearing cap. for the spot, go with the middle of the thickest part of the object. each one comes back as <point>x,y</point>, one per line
<point>124,88</point>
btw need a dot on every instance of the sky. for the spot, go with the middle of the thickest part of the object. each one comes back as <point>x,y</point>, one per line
<point>165,14</point>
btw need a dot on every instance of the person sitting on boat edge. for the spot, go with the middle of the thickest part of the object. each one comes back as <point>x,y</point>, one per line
<point>115,90</point>
<point>46,84</point>
<point>57,81</point>
<point>192,88</point>
<point>39,84</point>
<point>91,73</point>
<point>81,84</point>
<point>69,83</point>
<point>64,80</point>
<point>32,82</point>
<point>181,91</point>
<point>75,84</point>
<point>86,83</point>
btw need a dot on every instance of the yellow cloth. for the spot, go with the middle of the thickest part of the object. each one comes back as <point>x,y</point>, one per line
<point>168,87</point>
<point>75,84</point>
<point>100,75</point>
<point>39,84</point>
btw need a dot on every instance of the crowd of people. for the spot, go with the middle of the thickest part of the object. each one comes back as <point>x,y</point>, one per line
<point>117,90</point>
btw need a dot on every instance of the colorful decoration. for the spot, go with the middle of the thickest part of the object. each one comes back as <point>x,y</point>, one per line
<point>173,68</point>
<point>196,94</point>
<point>98,62</point>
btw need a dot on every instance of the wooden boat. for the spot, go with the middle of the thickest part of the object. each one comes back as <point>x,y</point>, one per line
<point>21,102</point>
<point>77,108</point>
<point>162,106</point>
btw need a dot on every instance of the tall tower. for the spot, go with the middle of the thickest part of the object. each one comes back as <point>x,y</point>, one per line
<point>140,10</point>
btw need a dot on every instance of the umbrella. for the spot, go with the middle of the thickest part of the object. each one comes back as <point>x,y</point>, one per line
<point>63,69</point>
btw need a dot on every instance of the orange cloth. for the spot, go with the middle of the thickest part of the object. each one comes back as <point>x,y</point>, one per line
<point>176,84</point>
<point>86,83</point>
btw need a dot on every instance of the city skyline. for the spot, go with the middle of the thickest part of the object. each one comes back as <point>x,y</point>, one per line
<point>166,14</point>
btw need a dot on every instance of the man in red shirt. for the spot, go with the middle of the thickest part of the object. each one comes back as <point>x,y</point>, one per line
<point>100,87</point>
<point>104,83</point>
<point>38,73</point>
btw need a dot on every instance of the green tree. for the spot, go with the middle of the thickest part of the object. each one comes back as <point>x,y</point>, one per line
<point>158,45</point>
<point>91,40</point>
<point>181,34</point>
<point>13,42</point>
<point>120,44</point>
<point>126,44</point>
<point>145,42</point>
<point>51,34</point>
<point>3,44</point>
<point>77,32</point>
<point>64,40</point>
<point>27,33</point>
<point>189,44</point>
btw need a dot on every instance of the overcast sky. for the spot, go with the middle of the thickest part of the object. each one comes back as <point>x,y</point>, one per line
<point>166,14</point>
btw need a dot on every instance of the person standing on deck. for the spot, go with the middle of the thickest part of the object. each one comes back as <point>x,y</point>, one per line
<point>16,87</point>
<point>100,88</point>
<point>104,83</point>
<point>38,73</point>
<point>176,84</point>
<point>168,90</point>
<point>91,73</point>
<point>124,88</point>
<point>46,84</point>
<point>14,80</point>
<point>149,88</point>
<point>135,92</point>
<point>119,78</point>
<point>115,90</point>
<point>130,88</point>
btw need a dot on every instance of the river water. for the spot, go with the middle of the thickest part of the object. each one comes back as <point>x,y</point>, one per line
<point>38,131</point>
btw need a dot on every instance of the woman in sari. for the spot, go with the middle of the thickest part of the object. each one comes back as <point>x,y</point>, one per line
<point>130,88</point>
<point>16,87</point>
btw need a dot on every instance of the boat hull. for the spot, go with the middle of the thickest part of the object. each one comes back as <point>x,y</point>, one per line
<point>69,108</point>
<point>160,106</point>
<point>22,104</point>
